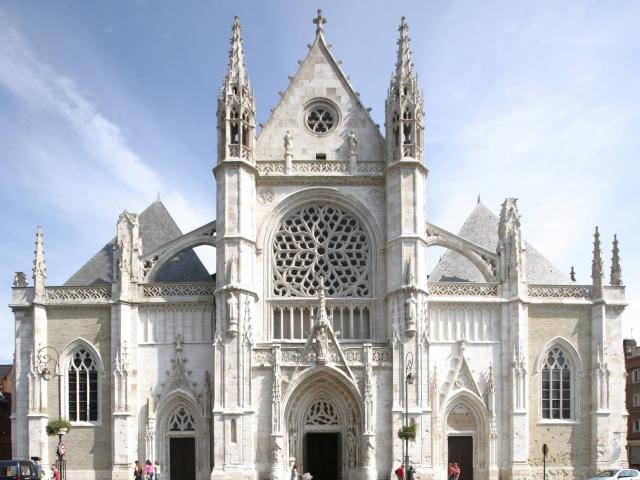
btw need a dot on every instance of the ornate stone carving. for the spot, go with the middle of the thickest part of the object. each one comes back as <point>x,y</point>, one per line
<point>177,289</point>
<point>560,291</point>
<point>178,378</point>
<point>98,294</point>
<point>266,196</point>
<point>321,240</point>
<point>375,196</point>
<point>510,248</point>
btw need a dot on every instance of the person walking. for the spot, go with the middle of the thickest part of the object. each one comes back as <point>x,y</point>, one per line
<point>55,473</point>
<point>156,470</point>
<point>456,471</point>
<point>138,471</point>
<point>450,471</point>
<point>148,470</point>
<point>294,472</point>
<point>400,472</point>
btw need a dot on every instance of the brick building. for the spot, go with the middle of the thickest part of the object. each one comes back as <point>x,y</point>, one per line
<point>632,364</point>
<point>6,382</point>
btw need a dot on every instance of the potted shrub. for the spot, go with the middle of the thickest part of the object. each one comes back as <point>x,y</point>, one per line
<point>408,432</point>
<point>59,426</point>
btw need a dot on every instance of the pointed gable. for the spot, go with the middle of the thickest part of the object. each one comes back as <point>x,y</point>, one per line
<point>157,227</point>
<point>320,80</point>
<point>481,228</point>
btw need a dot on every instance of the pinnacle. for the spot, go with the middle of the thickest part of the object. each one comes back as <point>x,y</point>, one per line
<point>237,69</point>
<point>404,67</point>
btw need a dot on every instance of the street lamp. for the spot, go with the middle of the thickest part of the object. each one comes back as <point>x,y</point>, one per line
<point>48,364</point>
<point>408,380</point>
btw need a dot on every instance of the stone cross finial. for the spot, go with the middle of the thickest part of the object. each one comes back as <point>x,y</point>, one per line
<point>572,274</point>
<point>319,21</point>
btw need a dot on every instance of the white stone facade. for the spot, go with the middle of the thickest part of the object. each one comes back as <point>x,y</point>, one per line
<point>255,365</point>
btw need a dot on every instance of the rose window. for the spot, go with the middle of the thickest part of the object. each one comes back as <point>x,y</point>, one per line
<point>321,241</point>
<point>320,118</point>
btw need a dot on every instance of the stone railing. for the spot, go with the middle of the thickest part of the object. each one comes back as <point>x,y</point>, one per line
<point>178,289</point>
<point>580,292</point>
<point>314,167</point>
<point>91,294</point>
<point>463,289</point>
<point>239,151</point>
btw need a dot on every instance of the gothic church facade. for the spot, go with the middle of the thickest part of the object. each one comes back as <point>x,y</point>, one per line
<point>322,330</point>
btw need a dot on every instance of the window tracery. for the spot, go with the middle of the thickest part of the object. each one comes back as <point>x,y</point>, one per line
<point>320,118</point>
<point>321,413</point>
<point>182,420</point>
<point>321,241</point>
<point>556,386</point>
<point>82,382</point>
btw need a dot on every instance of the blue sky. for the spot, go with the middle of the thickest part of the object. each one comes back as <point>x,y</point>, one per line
<point>103,104</point>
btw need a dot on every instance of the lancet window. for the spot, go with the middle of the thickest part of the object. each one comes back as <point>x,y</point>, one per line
<point>556,386</point>
<point>82,383</point>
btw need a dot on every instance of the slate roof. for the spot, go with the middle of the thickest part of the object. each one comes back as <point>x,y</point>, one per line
<point>157,228</point>
<point>481,228</point>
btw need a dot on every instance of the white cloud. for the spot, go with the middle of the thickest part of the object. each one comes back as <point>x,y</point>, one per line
<point>73,158</point>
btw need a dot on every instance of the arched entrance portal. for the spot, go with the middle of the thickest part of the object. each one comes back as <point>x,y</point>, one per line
<point>467,435</point>
<point>324,425</point>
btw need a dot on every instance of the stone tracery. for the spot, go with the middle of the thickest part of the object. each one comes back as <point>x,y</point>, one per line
<point>321,240</point>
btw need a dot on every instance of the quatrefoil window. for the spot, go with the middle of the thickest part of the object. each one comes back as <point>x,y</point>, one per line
<point>320,118</point>
<point>321,241</point>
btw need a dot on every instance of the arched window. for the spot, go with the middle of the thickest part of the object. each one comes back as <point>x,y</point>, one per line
<point>556,386</point>
<point>82,386</point>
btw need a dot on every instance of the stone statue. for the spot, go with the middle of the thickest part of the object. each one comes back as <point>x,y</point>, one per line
<point>410,313</point>
<point>288,144</point>
<point>351,448</point>
<point>352,143</point>
<point>322,344</point>
<point>232,308</point>
<point>20,279</point>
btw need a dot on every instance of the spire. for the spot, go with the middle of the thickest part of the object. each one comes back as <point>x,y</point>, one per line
<point>616,271</point>
<point>404,67</point>
<point>237,72</point>
<point>39,265</point>
<point>319,21</point>
<point>404,106</point>
<point>596,266</point>
<point>236,105</point>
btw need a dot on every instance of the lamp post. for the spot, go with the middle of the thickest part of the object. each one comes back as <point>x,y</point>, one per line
<point>48,364</point>
<point>408,380</point>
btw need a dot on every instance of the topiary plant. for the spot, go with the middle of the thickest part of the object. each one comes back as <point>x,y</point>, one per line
<point>408,432</point>
<point>54,426</point>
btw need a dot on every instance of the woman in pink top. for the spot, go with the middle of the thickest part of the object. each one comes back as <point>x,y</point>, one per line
<point>148,470</point>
